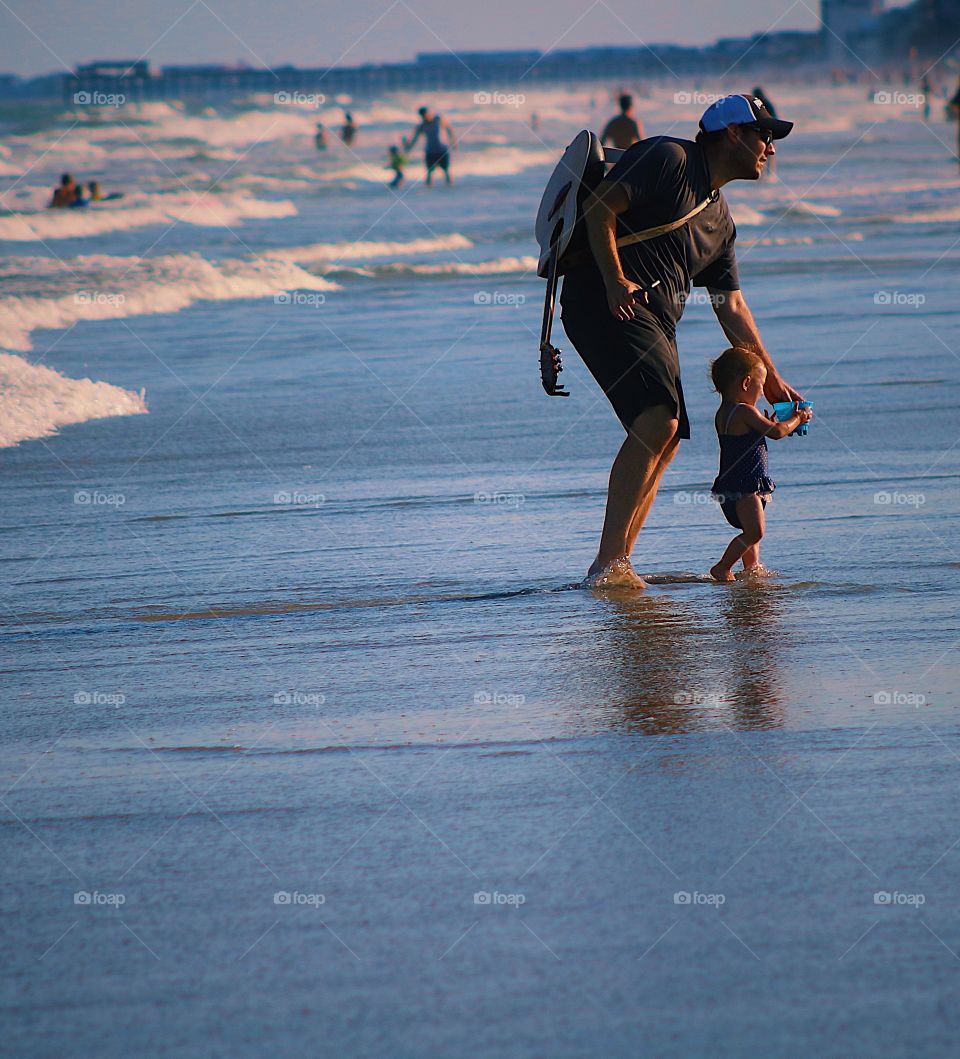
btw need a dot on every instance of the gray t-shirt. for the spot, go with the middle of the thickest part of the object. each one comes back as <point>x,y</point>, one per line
<point>666,178</point>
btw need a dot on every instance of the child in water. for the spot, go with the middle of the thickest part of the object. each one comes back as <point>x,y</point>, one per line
<point>396,162</point>
<point>742,486</point>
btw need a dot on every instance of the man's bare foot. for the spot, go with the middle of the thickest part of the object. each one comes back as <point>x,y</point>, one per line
<point>616,574</point>
<point>719,574</point>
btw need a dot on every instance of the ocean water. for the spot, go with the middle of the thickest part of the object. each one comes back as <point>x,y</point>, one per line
<point>311,741</point>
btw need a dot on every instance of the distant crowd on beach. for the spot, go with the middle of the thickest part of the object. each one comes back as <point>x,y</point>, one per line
<point>623,130</point>
<point>68,195</point>
<point>438,139</point>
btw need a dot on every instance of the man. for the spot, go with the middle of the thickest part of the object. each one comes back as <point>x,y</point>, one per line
<point>620,310</point>
<point>64,194</point>
<point>437,152</point>
<point>926,91</point>
<point>624,130</point>
<point>953,109</point>
<point>348,131</point>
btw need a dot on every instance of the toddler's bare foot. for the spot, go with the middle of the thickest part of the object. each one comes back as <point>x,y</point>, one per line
<point>718,573</point>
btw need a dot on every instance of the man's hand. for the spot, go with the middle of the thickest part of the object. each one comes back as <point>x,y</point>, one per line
<point>741,330</point>
<point>620,298</point>
<point>775,389</point>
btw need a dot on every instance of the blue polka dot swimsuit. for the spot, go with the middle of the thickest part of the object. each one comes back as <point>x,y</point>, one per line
<point>743,470</point>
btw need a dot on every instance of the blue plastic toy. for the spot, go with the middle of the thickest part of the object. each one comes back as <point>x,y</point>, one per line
<point>783,410</point>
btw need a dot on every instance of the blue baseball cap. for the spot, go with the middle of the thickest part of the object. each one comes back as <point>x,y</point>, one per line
<point>742,110</point>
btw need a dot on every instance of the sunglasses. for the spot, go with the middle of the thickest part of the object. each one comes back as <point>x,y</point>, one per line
<point>765,134</point>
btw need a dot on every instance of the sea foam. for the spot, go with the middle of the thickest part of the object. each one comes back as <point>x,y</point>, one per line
<point>35,400</point>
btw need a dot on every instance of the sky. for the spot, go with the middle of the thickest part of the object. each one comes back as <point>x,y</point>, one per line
<point>48,36</point>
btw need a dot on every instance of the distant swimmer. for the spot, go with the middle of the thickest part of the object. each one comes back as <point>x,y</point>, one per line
<point>926,91</point>
<point>953,108</point>
<point>64,193</point>
<point>434,128</point>
<point>623,130</point>
<point>396,162</point>
<point>758,93</point>
<point>320,137</point>
<point>348,131</point>
<point>97,195</point>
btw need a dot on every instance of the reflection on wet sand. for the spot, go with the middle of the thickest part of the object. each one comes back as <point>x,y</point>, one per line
<point>672,666</point>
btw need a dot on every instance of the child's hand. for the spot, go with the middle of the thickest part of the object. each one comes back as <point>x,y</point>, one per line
<point>805,414</point>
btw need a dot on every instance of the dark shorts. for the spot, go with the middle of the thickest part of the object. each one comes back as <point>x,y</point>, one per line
<point>729,509</point>
<point>635,362</point>
<point>438,160</point>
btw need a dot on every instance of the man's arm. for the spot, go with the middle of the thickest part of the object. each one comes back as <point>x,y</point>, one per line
<point>451,139</point>
<point>416,136</point>
<point>600,215</point>
<point>741,330</point>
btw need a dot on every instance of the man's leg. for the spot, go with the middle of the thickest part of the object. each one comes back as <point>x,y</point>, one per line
<point>634,477</point>
<point>640,517</point>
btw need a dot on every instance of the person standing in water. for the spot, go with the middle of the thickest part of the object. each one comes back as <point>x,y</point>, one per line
<point>623,130</point>
<point>926,90</point>
<point>348,130</point>
<point>396,162</point>
<point>64,194</point>
<point>954,109</point>
<point>438,142</point>
<point>621,307</point>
